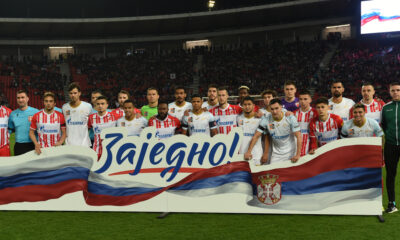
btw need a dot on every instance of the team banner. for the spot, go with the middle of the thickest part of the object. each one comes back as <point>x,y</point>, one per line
<point>193,174</point>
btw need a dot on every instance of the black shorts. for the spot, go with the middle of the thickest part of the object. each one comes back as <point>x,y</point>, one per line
<point>21,148</point>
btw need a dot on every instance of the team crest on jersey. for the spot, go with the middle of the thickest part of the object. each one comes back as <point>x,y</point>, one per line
<point>297,104</point>
<point>269,190</point>
<point>145,114</point>
<point>240,122</point>
<point>351,132</point>
<point>271,126</point>
<point>331,107</point>
<point>68,112</point>
<point>122,124</point>
<point>190,119</point>
<point>172,110</point>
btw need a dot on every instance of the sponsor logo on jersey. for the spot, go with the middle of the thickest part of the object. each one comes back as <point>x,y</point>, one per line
<point>269,190</point>
<point>42,129</point>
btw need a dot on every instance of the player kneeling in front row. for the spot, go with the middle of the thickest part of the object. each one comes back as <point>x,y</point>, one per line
<point>133,121</point>
<point>249,124</point>
<point>198,121</point>
<point>283,130</point>
<point>49,124</point>
<point>361,126</point>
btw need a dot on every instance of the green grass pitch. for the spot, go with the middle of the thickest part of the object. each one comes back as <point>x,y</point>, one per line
<point>106,225</point>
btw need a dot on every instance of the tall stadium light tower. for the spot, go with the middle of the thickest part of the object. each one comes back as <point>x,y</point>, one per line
<point>211,4</point>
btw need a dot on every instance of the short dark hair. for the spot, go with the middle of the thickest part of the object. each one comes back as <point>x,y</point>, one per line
<point>179,87</point>
<point>97,91</point>
<point>359,105</point>
<point>305,92</point>
<point>23,91</point>
<point>323,100</point>
<point>102,98</point>
<point>337,81</point>
<point>212,86</point>
<point>394,84</point>
<point>74,85</point>
<point>289,82</point>
<point>196,96</point>
<point>152,88</point>
<point>128,101</point>
<point>162,102</point>
<point>367,84</point>
<point>275,100</point>
<point>248,98</point>
<point>224,88</point>
<point>124,92</point>
<point>269,92</point>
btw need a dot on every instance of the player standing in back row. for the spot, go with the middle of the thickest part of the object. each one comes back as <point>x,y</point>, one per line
<point>178,108</point>
<point>76,114</point>
<point>338,104</point>
<point>225,114</point>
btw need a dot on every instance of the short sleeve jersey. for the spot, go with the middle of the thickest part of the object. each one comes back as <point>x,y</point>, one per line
<point>76,119</point>
<point>48,127</point>
<point>370,128</point>
<point>198,124</point>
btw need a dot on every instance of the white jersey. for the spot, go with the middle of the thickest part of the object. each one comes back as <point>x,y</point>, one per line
<point>249,127</point>
<point>282,135</point>
<point>178,112</point>
<point>76,120</point>
<point>208,106</point>
<point>372,110</point>
<point>341,109</point>
<point>134,126</point>
<point>370,128</point>
<point>199,124</point>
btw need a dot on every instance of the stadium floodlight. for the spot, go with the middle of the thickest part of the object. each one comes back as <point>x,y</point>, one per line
<point>211,4</point>
<point>63,47</point>
<point>336,26</point>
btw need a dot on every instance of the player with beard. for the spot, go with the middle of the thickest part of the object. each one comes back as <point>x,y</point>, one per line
<point>225,114</point>
<point>178,108</point>
<point>212,95</point>
<point>373,107</point>
<point>198,121</point>
<point>338,104</point>
<point>244,91</point>
<point>290,101</point>
<point>49,125</point>
<point>133,121</point>
<point>150,110</point>
<point>249,124</point>
<point>166,125</point>
<point>76,114</point>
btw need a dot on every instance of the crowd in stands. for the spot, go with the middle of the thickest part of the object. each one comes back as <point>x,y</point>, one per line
<point>263,66</point>
<point>259,66</point>
<point>356,62</point>
<point>35,76</point>
<point>135,73</point>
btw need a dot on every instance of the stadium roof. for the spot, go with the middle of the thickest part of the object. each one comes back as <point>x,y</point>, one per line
<point>33,31</point>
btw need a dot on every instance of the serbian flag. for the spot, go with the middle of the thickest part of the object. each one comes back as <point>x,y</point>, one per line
<point>340,172</point>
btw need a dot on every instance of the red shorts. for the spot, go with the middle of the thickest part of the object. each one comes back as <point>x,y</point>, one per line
<point>5,151</point>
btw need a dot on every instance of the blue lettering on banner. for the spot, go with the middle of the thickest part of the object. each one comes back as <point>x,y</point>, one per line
<point>177,154</point>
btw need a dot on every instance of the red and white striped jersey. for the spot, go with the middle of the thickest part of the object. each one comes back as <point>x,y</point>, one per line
<point>48,127</point>
<point>165,128</point>
<point>98,123</point>
<point>322,133</point>
<point>372,110</point>
<point>226,119</point>
<point>304,119</point>
<point>4,135</point>
<point>120,112</point>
